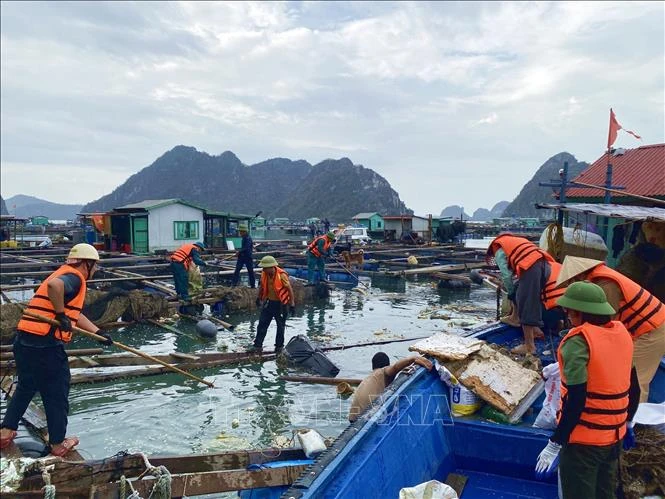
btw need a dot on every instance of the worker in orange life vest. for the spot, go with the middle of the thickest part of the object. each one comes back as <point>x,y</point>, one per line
<point>39,348</point>
<point>181,260</point>
<point>275,300</point>
<point>317,251</point>
<point>599,397</point>
<point>525,270</point>
<point>641,312</point>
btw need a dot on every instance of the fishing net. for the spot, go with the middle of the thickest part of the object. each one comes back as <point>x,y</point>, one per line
<point>195,281</point>
<point>242,298</point>
<point>10,314</point>
<point>643,467</point>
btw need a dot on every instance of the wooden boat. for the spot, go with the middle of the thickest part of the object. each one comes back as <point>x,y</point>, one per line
<point>413,438</point>
<point>191,475</point>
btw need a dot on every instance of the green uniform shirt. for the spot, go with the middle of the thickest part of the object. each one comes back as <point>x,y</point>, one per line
<point>575,354</point>
<point>501,260</point>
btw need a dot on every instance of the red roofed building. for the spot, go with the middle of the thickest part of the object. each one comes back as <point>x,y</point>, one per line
<point>641,171</point>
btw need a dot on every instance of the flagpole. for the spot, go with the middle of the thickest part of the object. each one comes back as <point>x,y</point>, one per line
<point>608,173</point>
<point>608,177</point>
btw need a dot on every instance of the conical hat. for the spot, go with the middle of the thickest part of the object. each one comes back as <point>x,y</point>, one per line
<point>573,266</point>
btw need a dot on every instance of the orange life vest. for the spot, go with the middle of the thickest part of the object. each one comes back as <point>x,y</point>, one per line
<point>639,310</point>
<point>184,254</point>
<point>603,420</point>
<point>551,293</point>
<point>279,286</point>
<point>41,304</point>
<point>521,253</point>
<point>313,248</point>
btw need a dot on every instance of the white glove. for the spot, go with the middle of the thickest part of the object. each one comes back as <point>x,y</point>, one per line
<point>548,459</point>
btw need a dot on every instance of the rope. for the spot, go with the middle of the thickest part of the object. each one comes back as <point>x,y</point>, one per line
<point>49,490</point>
<point>555,241</point>
<point>162,487</point>
<point>123,489</point>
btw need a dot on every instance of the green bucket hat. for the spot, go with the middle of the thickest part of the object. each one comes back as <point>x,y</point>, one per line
<point>268,261</point>
<point>584,296</point>
<point>331,235</point>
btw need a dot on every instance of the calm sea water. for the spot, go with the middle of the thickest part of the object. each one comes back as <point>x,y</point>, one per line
<point>249,406</point>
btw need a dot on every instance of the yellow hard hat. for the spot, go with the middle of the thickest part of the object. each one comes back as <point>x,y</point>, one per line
<point>83,251</point>
<point>267,262</point>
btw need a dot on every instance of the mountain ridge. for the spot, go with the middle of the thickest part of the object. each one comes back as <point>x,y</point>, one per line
<point>277,186</point>
<point>24,206</point>
<point>531,193</point>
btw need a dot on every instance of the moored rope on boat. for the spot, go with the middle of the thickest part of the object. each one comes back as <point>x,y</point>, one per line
<point>49,490</point>
<point>162,487</point>
<point>123,489</point>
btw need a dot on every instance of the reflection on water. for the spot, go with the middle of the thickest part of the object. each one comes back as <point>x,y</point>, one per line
<point>169,414</point>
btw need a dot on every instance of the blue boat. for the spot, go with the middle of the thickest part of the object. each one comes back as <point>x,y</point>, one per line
<point>340,277</point>
<point>413,438</point>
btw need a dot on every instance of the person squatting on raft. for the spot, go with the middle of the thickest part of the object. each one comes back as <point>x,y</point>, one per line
<point>525,271</point>
<point>39,348</point>
<point>275,300</point>
<point>599,396</point>
<point>245,258</point>
<point>317,251</point>
<point>181,260</point>
<point>383,373</point>
<point>642,313</point>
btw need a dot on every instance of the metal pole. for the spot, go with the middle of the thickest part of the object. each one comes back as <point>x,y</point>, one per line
<point>608,194</point>
<point>562,192</point>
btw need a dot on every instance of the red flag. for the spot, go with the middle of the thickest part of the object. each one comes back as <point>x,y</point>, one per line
<point>614,129</point>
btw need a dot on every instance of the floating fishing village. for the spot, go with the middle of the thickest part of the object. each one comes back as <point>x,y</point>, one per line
<point>180,321</point>
<point>179,309</point>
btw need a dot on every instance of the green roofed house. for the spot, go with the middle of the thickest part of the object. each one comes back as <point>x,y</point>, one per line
<point>372,221</point>
<point>222,228</point>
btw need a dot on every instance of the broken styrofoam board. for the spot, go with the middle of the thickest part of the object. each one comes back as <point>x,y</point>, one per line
<point>446,346</point>
<point>498,379</point>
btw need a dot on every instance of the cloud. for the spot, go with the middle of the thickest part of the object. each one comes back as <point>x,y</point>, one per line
<point>490,119</point>
<point>408,89</point>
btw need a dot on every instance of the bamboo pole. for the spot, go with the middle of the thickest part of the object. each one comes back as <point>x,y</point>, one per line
<point>121,346</point>
<point>320,380</point>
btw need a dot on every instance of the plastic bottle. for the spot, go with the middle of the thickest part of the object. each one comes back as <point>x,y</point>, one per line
<point>489,412</point>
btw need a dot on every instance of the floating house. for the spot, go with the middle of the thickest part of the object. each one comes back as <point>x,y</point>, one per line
<point>640,176</point>
<point>372,221</point>
<point>222,228</point>
<point>153,224</point>
<point>162,225</point>
<point>398,226</point>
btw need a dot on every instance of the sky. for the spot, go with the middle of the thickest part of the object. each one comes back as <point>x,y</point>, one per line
<point>453,103</point>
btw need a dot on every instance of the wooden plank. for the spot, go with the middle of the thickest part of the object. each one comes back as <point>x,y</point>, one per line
<point>89,362</point>
<point>5,355</point>
<point>211,482</point>
<point>228,460</point>
<point>150,371</point>
<point>320,380</point>
<point>172,329</point>
<point>184,356</point>
<point>438,268</point>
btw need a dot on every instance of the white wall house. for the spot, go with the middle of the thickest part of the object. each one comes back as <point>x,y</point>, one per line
<point>171,226</point>
<point>158,224</point>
